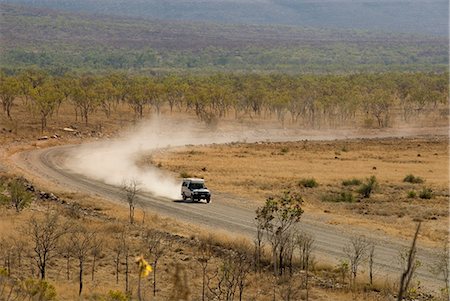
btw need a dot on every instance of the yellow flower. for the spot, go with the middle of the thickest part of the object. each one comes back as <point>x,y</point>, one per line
<point>144,267</point>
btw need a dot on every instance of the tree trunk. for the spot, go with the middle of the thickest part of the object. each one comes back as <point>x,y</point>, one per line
<point>81,278</point>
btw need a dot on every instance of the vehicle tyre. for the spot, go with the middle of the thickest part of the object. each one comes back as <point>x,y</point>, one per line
<point>208,200</point>
<point>184,197</point>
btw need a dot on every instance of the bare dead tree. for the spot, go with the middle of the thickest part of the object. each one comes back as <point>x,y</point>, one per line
<point>356,251</point>
<point>157,246</point>
<point>222,284</point>
<point>131,188</point>
<point>66,251</point>
<point>410,268</point>
<point>305,242</point>
<point>44,235</point>
<point>288,289</point>
<point>82,240</point>
<point>96,250</point>
<point>242,270</point>
<point>124,246</point>
<point>117,248</point>
<point>203,258</point>
<point>288,248</point>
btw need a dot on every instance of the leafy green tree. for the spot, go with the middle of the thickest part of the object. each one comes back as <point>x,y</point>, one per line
<point>175,89</point>
<point>45,99</point>
<point>85,96</point>
<point>9,91</point>
<point>138,95</point>
<point>20,198</point>
<point>380,102</point>
<point>277,217</point>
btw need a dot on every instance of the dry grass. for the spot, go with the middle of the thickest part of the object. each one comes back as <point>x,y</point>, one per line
<point>256,171</point>
<point>252,171</point>
<point>182,249</point>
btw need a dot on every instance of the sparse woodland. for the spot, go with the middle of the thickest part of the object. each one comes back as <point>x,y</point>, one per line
<point>306,101</point>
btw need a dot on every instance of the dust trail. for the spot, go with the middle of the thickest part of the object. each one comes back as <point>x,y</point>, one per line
<point>114,161</point>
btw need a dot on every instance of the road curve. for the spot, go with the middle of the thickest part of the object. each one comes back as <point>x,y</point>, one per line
<point>225,215</point>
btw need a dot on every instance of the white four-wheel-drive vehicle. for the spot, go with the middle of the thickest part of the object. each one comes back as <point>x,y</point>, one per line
<point>195,190</point>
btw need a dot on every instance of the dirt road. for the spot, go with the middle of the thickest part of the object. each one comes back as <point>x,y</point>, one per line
<point>226,214</point>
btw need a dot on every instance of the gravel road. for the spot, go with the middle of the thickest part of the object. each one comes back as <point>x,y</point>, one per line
<point>226,214</point>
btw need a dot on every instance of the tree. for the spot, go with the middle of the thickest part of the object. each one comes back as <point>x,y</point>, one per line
<point>203,258</point>
<point>305,243</point>
<point>131,189</point>
<point>46,98</point>
<point>9,91</point>
<point>96,250</point>
<point>380,102</point>
<point>44,235</point>
<point>356,251</point>
<point>138,95</point>
<point>82,241</point>
<point>156,247</point>
<point>85,96</point>
<point>278,216</point>
<point>19,196</point>
<point>371,261</point>
<point>410,268</point>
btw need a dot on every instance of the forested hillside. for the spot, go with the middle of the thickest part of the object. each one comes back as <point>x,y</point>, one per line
<point>410,16</point>
<point>60,42</point>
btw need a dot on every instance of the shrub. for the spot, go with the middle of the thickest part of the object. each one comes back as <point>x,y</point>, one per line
<point>344,196</point>
<point>284,150</point>
<point>367,188</point>
<point>116,296</point>
<point>426,194</point>
<point>351,182</point>
<point>308,183</point>
<point>411,194</point>
<point>184,174</point>
<point>412,179</point>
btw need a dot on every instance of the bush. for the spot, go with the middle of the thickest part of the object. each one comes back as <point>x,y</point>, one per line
<point>367,188</point>
<point>426,194</point>
<point>351,182</point>
<point>184,174</point>
<point>411,194</point>
<point>308,183</point>
<point>116,296</point>
<point>412,179</point>
<point>344,196</point>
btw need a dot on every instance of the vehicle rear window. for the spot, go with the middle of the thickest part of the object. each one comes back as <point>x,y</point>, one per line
<point>196,186</point>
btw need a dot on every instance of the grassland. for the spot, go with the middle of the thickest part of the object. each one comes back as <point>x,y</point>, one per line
<point>253,172</point>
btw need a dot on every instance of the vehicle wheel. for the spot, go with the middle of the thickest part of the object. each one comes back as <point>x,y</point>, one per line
<point>184,197</point>
<point>208,201</point>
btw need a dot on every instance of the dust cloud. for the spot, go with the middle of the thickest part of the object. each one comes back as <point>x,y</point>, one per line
<point>115,161</point>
